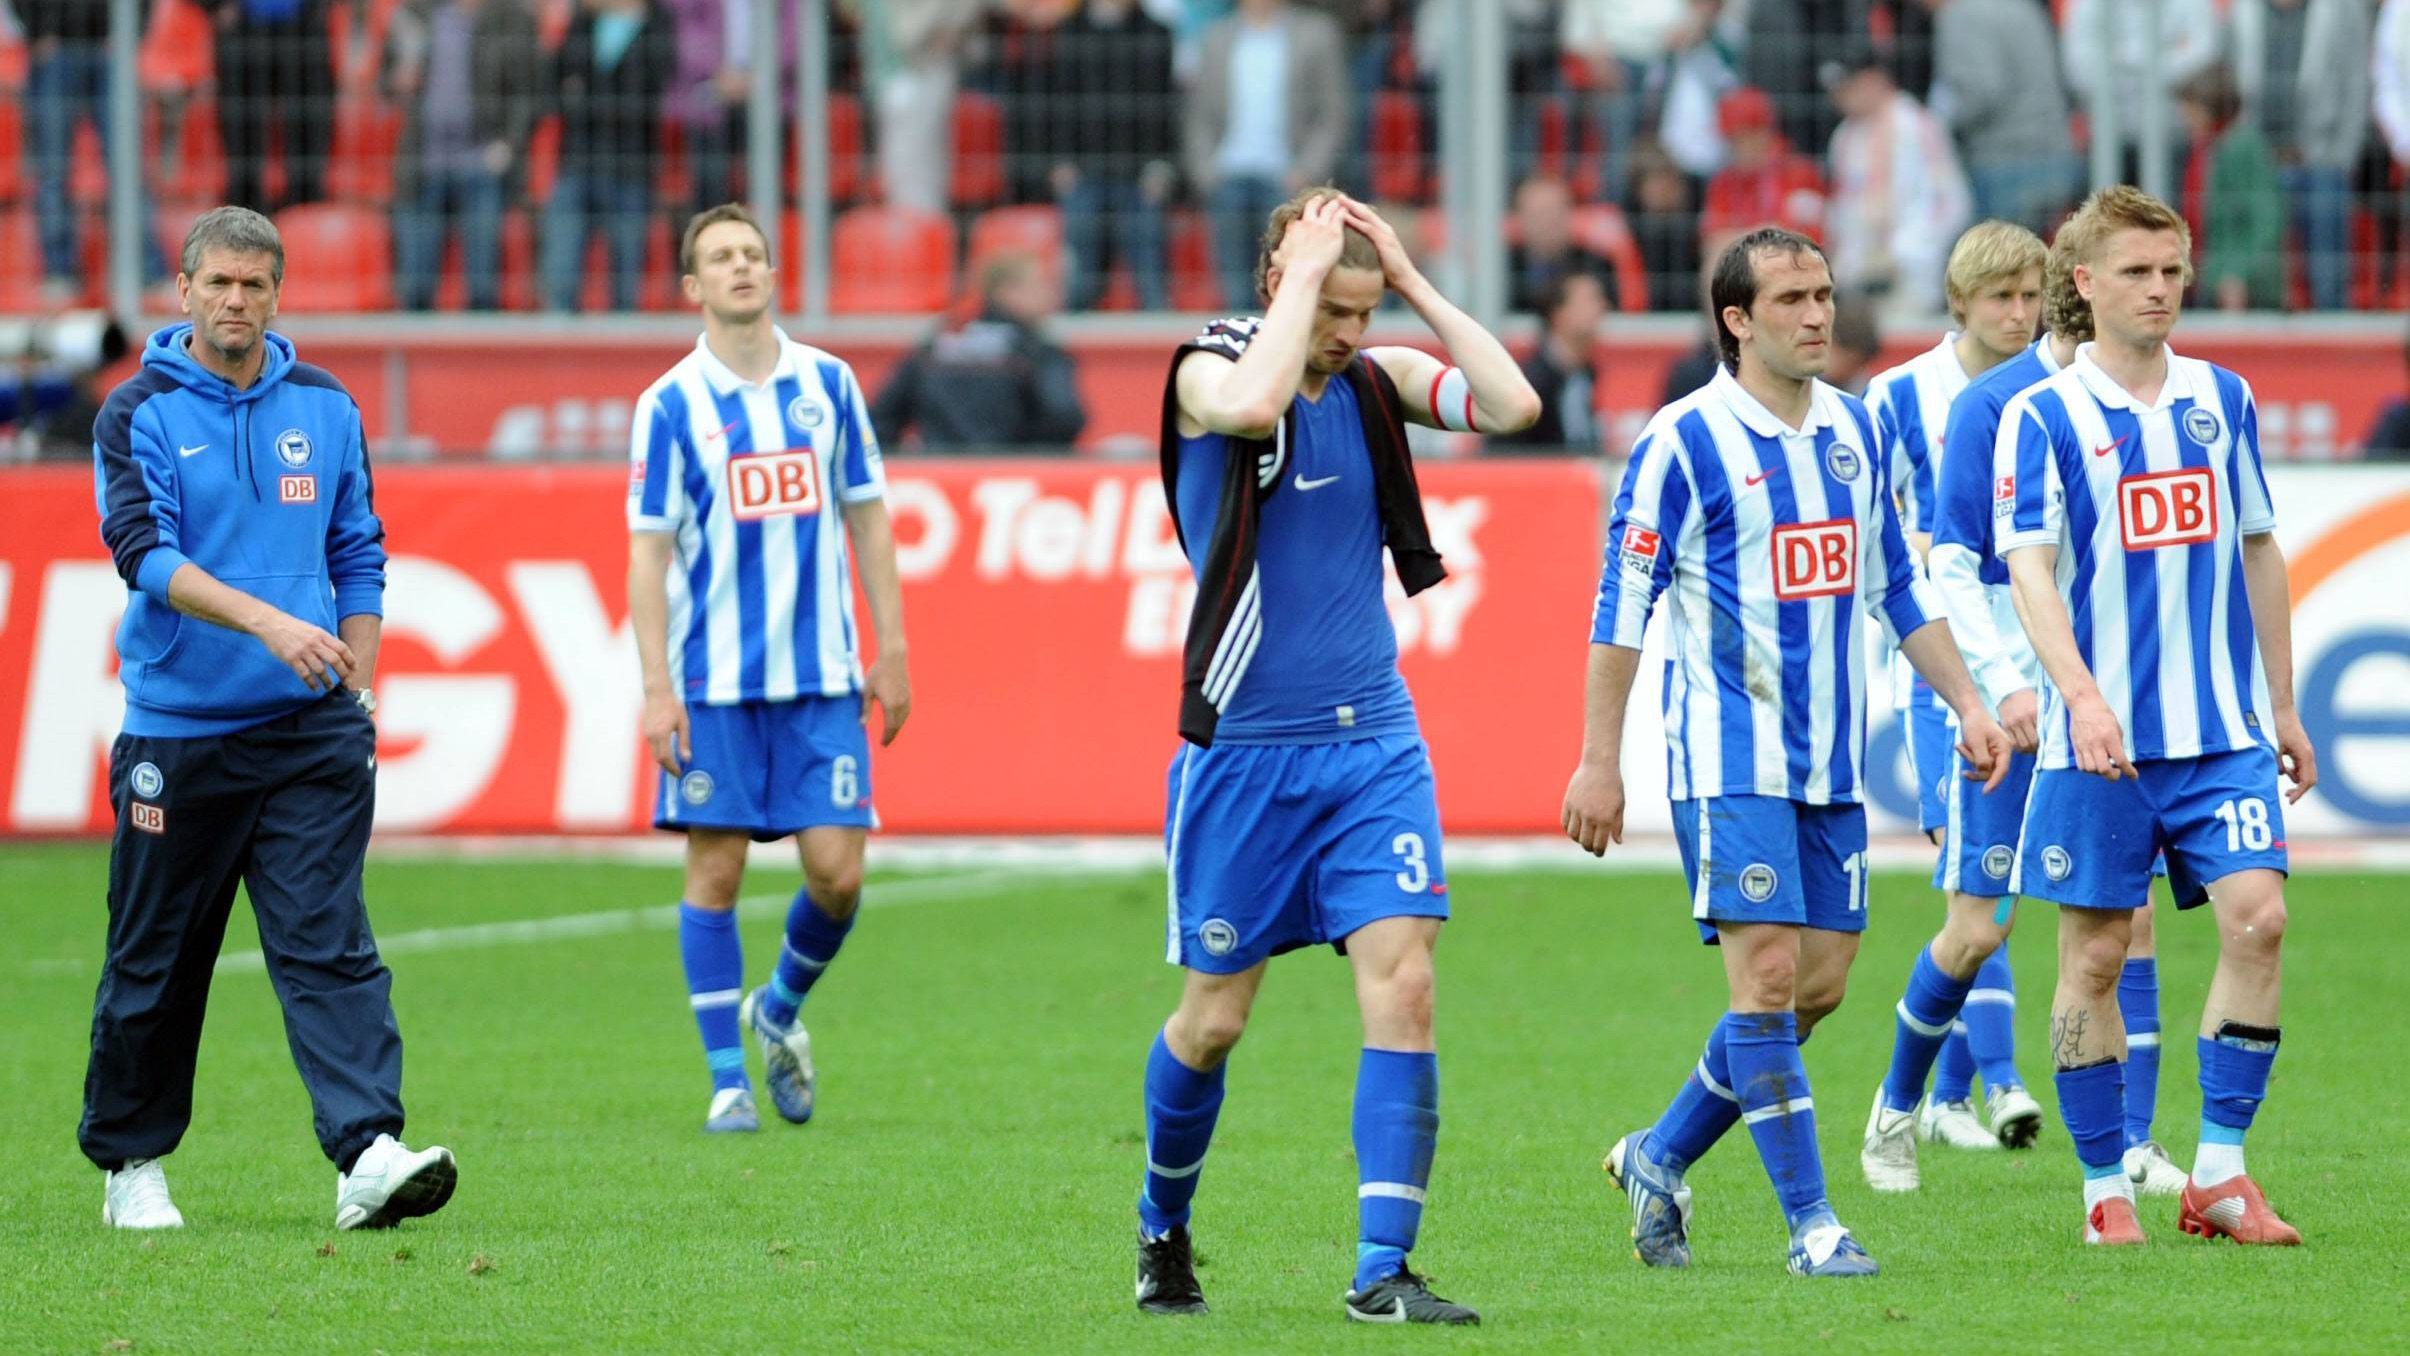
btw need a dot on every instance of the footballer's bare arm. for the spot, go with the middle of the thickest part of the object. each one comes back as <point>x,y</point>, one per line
<point>1480,388</point>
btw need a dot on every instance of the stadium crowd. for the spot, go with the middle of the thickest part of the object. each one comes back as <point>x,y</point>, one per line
<point>535,154</point>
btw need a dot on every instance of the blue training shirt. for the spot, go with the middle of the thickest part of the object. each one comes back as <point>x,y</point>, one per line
<point>267,489</point>
<point>1324,662</point>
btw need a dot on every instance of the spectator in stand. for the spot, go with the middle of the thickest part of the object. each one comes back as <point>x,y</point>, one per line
<point>67,83</point>
<point>464,75</point>
<point>2188,45</point>
<point>1565,370</point>
<point>707,92</point>
<point>912,62</point>
<point>1857,340</point>
<point>1622,46</point>
<point>2389,67</point>
<point>608,79</point>
<point>1698,367</point>
<point>1370,27</point>
<point>1665,225</point>
<point>1996,83</point>
<point>1264,119</point>
<point>1899,198</point>
<point>1543,249</point>
<point>1088,113</point>
<point>1763,180</point>
<point>2233,199</point>
<point>2389,440</point>
<point>1783,47</point>
<point>996,381</point>
<point>276,66</point>
<point>2297,65</point>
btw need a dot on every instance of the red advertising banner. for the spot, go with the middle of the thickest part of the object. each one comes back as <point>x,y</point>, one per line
<point>2319,392</point>
<point>1046,602</point>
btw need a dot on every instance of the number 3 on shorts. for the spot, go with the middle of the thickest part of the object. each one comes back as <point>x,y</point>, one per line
<point>2246,822</point>
<point>1417,875</point>
<point>844,782</point>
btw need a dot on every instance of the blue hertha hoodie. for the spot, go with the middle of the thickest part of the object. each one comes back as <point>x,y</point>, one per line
<point>266,489</point>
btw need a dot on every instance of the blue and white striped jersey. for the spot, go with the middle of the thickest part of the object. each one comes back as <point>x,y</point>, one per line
<point>1967,576</point>
<point>2148,506</point>
<point>1770,539</point>
<point>749,478</point>
<point>1911,406</point>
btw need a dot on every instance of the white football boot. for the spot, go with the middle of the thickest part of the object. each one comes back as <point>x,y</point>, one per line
<point>1889,1155</point>
<point>135,1197</point>
<point>2016,1116</point>
<point>391,1182</point>
<point>1954,1124</point>
<point>2154,1173</point>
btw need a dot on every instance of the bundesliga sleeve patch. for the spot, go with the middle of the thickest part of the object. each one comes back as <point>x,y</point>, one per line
<point>2004,497</point>
<point>1640,547</point>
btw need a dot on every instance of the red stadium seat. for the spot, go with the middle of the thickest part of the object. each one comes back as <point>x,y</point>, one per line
<point>789,261</point>
<point>12,142</point>
<point>891,259</point>
<point>543,159</point>
<point>1194,286</point>
<point>1397,148</point>
<point>20,263</point>
<point>1034,231</point>
<point>338,257</point>
<point>199,169</point>
<point>978,150</point>
<point>360,166</point>
<point>87,169</point>
<point>847,176</point>
<point>12,63</point>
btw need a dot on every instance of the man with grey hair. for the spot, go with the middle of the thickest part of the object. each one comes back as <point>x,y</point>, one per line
<point>235,500</point>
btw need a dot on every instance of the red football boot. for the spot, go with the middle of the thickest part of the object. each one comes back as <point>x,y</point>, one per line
<point>2112,1224</point>
<point>2234,1209</point>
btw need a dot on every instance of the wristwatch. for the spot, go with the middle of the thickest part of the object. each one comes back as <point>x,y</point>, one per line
<point>366,698</point>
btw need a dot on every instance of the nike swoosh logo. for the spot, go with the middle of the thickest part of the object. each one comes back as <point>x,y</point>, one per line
<point>1760,478</point>
<point>1304,484</point>
<point>715,437</point>
<point>183,451</point>
<point>2104,451</point>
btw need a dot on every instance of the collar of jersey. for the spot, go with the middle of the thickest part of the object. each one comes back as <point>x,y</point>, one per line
<point>1762,421</point>
<point>723,379</point>
<point>2105,389</point>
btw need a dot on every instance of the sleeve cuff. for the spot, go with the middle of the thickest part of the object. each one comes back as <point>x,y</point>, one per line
<point>2015,541</point>
<point>359,600</point>
<point>863,494</point>
<point>159,564</point>
<point>2001,679</point>
<point>2256,527</point>
<point>645,522</point>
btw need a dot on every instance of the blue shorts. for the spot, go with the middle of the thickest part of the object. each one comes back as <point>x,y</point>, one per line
<point>1277,846</point>
<point>771,769</point>
<point>1932,757</point>
<point>1764,859</point>
<point>1979,833</point>
<point>2089,842</point>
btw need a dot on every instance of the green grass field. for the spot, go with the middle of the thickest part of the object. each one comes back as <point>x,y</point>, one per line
<point>968,1184</point>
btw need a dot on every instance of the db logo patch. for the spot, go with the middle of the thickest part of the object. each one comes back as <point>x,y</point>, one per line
<point>2056,863</point>
<point>1757,882</point>
<point>148,818</point>
<point>1815,560</point>
<point>1844,462</point>
<point>695,787</point>
<point>1997,859</point>
<point>1640,547</point>
<point>1217,937</point>
<point>774,485</point>
<point>293,448</point>
<point>2168,508</point>
<point>2202,426</point>
<point>297,489</point>
<point>146,781</point>
<point>805,413</point>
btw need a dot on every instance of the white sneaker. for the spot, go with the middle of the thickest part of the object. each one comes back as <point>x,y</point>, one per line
<point>2154,1173</point>
<point>2016,1116</point>
<point>391,1182</point>
<point>135,1197</point>
<point>1889,1155</point>
<point>1954,1124</point>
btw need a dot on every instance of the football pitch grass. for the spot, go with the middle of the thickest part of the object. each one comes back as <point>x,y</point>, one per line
<point>969,1181</point>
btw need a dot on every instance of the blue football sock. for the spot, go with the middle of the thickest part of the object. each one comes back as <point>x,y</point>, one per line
<point>1396,1129</point>
<point>2234,1078</point>
<point>1922,1022</point>
<point>1991,1023</point>
<point>2138,999</point>
<point>1181,1106</point>
<point>2092,1103</point>
<point>812,941</point>
<point>1763,1050</point>
<point>1954,1071</point>
<point>1701,1112</point>
<point>715,977</point>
